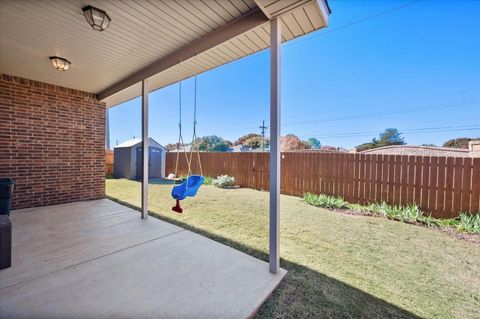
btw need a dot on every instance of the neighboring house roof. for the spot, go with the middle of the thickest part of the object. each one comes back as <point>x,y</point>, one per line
<point>185,148</point>
<point>328,149</point>
<point>418,150</point>
<point>134,141</point>
<point>239,148</point>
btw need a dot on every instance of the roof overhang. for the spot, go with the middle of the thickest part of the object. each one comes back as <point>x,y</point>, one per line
<point>164,42</point>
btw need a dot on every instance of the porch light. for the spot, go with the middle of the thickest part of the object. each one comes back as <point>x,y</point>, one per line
<point>98,19</point>
<point>60,64</point>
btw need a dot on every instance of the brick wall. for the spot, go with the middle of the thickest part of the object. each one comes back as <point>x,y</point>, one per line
<point>52,141</point>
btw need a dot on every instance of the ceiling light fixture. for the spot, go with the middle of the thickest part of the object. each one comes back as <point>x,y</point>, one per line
<point>98,19</point>
<point>60,64</point>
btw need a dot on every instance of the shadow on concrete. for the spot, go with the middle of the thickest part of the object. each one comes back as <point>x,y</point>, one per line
<point>304,292</point>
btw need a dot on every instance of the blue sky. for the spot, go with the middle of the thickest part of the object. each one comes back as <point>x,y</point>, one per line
<point>416,69</point>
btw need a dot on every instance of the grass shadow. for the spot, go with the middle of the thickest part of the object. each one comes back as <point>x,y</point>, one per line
<point>161,181</point>
<point>153,181</point>
<point>304,292</point>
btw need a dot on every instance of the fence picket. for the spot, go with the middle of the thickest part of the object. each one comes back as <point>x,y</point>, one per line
<point>457,184</point>
<point>442,189</point>
<point>433,185</point>
<point>424,183</point>
<point>475,207</point>
<point>449,185</point>
<point>396,178</point>
<point>466,184</point>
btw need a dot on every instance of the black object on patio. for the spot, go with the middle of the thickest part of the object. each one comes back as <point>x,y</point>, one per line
<point>6,193</point>
<point>5,242</point>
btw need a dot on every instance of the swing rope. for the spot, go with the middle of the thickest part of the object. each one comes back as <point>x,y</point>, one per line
<point>194,136</point>
<point>194,144</point>
<point>180,138</point>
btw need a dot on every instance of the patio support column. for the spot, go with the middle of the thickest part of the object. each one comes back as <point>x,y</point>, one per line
<point>275,48</point>
<point>145,152</point>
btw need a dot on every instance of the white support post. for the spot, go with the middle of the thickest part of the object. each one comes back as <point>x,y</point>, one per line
<point>275,48</point>
<point>145,152</point>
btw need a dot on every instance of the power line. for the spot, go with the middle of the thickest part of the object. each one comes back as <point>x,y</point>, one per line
<point>411,99</point>
<point>423,130</point>
<point>386,113</point>
<point>402,131</point>
<point>390,102</point>
<point>353,23</point>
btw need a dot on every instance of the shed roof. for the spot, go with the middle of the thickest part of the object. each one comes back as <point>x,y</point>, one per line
<point>163,41</point>
<point>135,141</point>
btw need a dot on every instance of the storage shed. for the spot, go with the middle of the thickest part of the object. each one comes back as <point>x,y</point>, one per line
<point>128,159</point>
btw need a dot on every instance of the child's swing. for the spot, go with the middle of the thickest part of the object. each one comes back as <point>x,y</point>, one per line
<point>190,186</point>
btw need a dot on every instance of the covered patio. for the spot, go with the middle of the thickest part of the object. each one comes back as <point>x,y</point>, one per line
<point>99,259</point>
<point>76,254</point>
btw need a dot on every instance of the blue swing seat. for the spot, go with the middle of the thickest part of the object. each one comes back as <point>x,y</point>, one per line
<point>188,188</point>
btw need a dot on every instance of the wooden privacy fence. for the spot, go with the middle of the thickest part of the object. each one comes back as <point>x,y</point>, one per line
<point>441,186</point>
<point>109,162</point>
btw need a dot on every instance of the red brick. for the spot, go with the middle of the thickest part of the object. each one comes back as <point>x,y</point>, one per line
<point>52,141</point>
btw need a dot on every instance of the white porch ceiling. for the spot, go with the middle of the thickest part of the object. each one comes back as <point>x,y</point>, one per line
<point>141,33</point>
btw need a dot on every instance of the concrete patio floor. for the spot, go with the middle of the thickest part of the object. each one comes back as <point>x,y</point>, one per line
<point>99,259</point>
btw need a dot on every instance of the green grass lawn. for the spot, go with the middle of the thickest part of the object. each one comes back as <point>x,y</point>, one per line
<point>338,266</point>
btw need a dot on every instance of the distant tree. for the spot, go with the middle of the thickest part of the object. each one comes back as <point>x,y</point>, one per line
<point>430,145</point>
<point>241,140</point>
<point>212,143</point>
<point>461,142</point>
<point>368,146</point>
<point>256,142</point>
<point>220,148</point>
<point>314,143</point>
<point>391,136</point>
<point>292,142</point>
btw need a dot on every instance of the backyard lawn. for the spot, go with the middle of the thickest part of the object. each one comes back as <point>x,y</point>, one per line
<point>339,266</point>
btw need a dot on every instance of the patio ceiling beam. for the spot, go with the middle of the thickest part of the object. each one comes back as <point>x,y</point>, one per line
<point>275,65</point>
<point>242,24</point>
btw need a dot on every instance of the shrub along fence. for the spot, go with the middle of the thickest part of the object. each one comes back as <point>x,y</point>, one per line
<point>440,186</point>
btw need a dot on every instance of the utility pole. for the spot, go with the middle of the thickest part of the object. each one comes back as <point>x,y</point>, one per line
<point>263,128</point>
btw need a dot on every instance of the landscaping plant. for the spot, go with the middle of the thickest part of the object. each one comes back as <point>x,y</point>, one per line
<point>466,222</point>
<point>469,223</point>
<point>326,201</point>
<point>208,180</point>
<point>428,221</point>
<point>410,213</point>
<point>224,181</point>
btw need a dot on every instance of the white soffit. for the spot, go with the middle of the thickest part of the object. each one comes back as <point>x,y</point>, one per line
<point>141,33</point>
